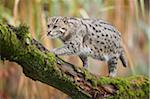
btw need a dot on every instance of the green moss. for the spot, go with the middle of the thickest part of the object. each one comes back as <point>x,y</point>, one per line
<point>127,87</point>
<point>16,46</point>
<point>89,77</point>
<point>7,38</point>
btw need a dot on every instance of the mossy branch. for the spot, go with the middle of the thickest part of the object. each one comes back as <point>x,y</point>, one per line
<point>17,45</point>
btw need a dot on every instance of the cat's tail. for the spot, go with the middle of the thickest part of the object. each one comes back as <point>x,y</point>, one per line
<point>126,58</point>
<point>123,58</point>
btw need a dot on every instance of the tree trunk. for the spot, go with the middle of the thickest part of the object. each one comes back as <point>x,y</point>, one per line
<point>17,45</point>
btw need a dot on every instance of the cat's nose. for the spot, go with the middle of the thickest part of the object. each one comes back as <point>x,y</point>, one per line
<point>49,33</point>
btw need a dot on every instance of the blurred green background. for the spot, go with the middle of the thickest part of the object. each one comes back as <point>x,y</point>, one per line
<point>131,18</point>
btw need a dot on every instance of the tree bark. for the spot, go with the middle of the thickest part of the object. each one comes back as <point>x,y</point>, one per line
<point>17,45</point>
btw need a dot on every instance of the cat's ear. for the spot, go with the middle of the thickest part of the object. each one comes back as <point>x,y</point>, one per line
<point>49,19</point>
<point>52,19</point>
<point>65,20</point>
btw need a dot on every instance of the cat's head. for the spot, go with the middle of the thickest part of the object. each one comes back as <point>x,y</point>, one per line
<point>57,26</point>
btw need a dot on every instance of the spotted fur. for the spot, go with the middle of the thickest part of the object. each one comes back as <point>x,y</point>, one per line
<point>88,37</point>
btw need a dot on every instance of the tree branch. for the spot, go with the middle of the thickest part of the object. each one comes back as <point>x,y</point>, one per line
<point>17,45</point>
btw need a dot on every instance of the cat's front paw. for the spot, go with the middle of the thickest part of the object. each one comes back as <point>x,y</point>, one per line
<point>56,51</point>
<point>53,51</point>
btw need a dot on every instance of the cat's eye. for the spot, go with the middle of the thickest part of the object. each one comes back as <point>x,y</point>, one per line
<point>55,26</point>
<point>63,28</point>
<point>48,26</point>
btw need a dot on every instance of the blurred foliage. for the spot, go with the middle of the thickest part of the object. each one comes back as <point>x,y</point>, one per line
<point>131,17</point>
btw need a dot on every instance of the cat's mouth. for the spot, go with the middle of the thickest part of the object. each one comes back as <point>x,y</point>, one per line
<point>54,34</point>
